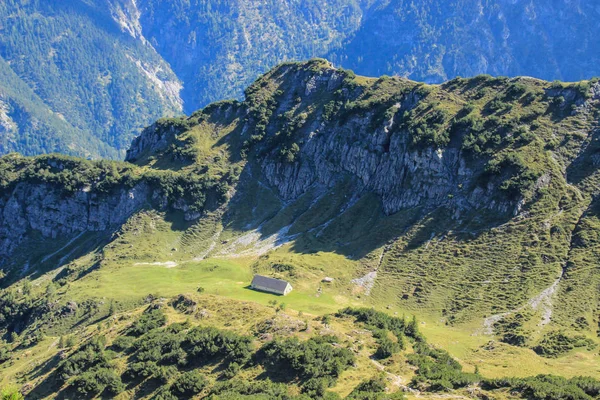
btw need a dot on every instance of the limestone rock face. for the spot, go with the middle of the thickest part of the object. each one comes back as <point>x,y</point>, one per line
<point>46,209</point>
<point>380,160</point>
<point>153,139</point>
<point>402,177</point>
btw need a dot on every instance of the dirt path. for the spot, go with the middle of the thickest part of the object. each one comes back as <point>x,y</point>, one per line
<point>396,380</point>
<point>543,301</point>
<point>62,248</point>
<point>167,264</point>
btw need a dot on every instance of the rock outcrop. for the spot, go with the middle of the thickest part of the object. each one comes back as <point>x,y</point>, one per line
<point>381,158</point>
<point>44,208</point>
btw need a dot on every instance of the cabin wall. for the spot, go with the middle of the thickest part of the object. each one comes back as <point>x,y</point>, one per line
<point>266,289</point>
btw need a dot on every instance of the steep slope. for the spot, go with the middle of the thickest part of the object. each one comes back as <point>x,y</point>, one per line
<point>472,203</point>
<point>432,41</point>
<point>218,49</point>
<point>86,70</point>
<point>29,126</point>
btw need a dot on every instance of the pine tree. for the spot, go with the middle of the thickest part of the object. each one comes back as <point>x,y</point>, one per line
<point>412,329</point>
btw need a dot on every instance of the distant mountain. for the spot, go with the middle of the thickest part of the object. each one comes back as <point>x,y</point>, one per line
<point>434,41</point>
<point>80,81</point>
<point>88,75</point>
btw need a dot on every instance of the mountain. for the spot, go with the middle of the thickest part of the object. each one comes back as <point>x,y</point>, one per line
<point>79,81</point>
<point>218,49</point>
<point>432,41</point>
<point>86,76</point>
<point>472,204</point>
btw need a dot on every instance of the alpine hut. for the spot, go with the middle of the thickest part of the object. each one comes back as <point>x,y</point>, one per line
<point>270,285</point>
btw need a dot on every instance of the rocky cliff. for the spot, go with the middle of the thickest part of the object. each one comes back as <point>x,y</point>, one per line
<point>43,208</point>
<point>380,158</point>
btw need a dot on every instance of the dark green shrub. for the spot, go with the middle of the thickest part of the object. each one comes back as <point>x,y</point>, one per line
<point>556,344</point>
<point>5,353</point>
<point>161,346</point>
<point>97,381</point>
<point>88,356</point>
<point>231,370</point>
<point>381,320</point>
<point>316,388</point>
<point>387,348</point>
<point>314,358</point>
<point>438,370</point>
<point>188,384</point>
<point>142,369</point>
<point>150,319</point>
<point>165,373</point>
<point>210,342</point>
<point>589,385</point>
<point>123,343</point>
<point>236,389</point>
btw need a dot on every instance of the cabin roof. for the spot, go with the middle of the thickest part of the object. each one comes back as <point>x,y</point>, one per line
<point>271,283</point>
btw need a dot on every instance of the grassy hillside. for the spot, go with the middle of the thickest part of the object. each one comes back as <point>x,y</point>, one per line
<point>471,205</point>
<point>190,346</point>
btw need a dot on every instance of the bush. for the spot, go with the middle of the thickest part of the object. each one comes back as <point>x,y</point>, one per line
<point>164,393</point>
<point>589,385</point>
<point>165,373</point>
<point>150,319</point>
<point>314,358</point>
<point>96,381</point>
<point>90,355</point>
<point>317,387</point>
<point>515,91</point>
<point>387,348</point>
<point>519,174</point>
<point>5,353</point>
<point>236,389</point>
<point>556,344</point>
<point>380,320</point>
<point>142,370</point>
<point>189,384</point>
<point>210,342</point>
<point>231,370</point>
<point>161,346</point>
<point>373,389</point>
<point>438,369</point>
<point>123,343</point>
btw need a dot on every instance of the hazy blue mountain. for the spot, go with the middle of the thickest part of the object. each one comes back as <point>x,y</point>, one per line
<point>432,41</point>
<point>83,64</point>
